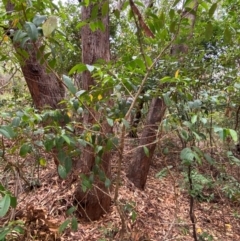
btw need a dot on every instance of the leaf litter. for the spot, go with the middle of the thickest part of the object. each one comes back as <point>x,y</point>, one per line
<point>160,212</point>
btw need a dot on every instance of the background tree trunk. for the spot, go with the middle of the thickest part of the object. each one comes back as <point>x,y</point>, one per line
<point>95,46</point>
<point>139,167</point>
<point>45,88</point>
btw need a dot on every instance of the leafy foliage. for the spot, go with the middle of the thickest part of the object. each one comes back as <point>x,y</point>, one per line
<point>200,88</point>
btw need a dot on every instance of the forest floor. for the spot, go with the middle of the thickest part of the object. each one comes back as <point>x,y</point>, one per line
<point>160,212</point>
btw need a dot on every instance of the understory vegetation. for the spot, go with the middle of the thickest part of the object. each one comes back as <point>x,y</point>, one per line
<point>119,120</point>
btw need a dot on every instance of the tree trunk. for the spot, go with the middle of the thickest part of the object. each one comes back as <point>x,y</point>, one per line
<point>45,88</point>
<point>135,120</point>
<point>95,46</point>
<point>139,167</point>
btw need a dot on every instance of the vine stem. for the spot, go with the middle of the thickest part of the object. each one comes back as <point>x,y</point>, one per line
<point>191,211</point>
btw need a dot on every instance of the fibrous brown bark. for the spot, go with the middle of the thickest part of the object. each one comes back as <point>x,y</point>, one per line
<point>139,167</point>
<point>45,88</point>
<point>95,46</point>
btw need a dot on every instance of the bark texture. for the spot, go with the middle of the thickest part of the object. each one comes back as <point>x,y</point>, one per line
<point>45,87</point>
<point>95,46</point>
<point>139,167</point>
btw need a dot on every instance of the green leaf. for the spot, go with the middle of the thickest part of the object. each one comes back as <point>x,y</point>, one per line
<point>97,149</point>
<point>209,159</point>
<point>116,12</point>
<point>197,157</point>
<point>110,122</point>
<point>94,12</point>
<point>86,183</point>
<point>171,13</point>
<point>167,100</point>
<point>148,60</point>
<point>74,224</point>
<point>19,35</point>
<point>233,134</point>
<point>93,26</point>
<point>105,8</point>
<point>49,144</point>
<point>7,131</point>
<point>79,68</point>
<point>187,156</point>
<point>133,216</point>
<point>227,37</point>
<point>2,188</point>
<point>25,149</point>
<point>3,232</point>
<point>16,122</point>
<point>209,30</point>
<point>71,210</point>
<point>203,120</point>
<point>61,156</point>
<point>111,143</point>
<point>52,63</point>
<point>125,123</point>
<point>13,202</point>
<point>197,136</point>
<point>66,138</point>
<point>49,26</point>
<point>80,25</point>
<point>4,205</point>
<point>163,172</point>
<point>80,92</point>
<point>194,119</point>
<point>68,164</point>
<point>82,142</point>
<point>176,2</point>
<point>237,85</point>
<point>19,230</point>
<point>31,30</point>
<point>39,19</point>
<point>146,151</point>
<point>90,67</point>
<point>63,226</point>
<point>212,10</point>
<point>189,4</point>
<point>161,20</point>
<point>172,27</point>
<point>24,41</point>
<point>204,5</point>
<point>223,134</point>
<point>187,124</point>
<point>233,159</point>
<point>139,63</point>
<point>62,171</point>
<point>42,162</point>
<point>125,5</point>
<point>68,82</point>
<point>107,183</point>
